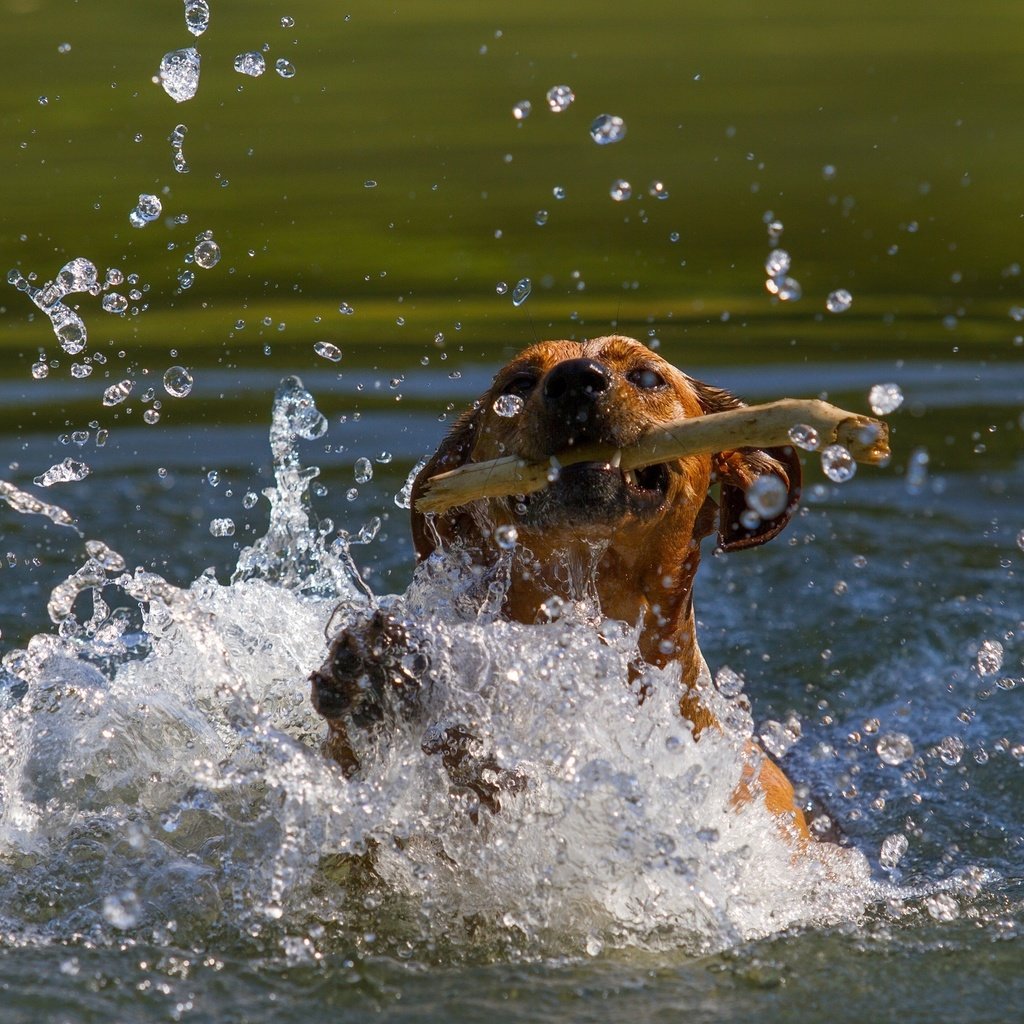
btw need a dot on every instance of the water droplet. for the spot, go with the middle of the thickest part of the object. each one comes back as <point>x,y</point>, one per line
<point>917,470</point>
<point>607,128</point>
<point>151,416</point>
<point>207,254</point>
<point>177,382</point>
<point>508,406</point>
<point>950,750</point>
<point>804,436</point>
<point>788,289</point>
<point>728,683</point>
<point>885,398</point>
<point>186,279</point>
<point>942,907</point>
<point>778,737</point>
<point>284,68</point>
<point>40,370</point>
<point>122,910</point>
<point>621,190</point>
<point>767,496</point>
<point>521,110</point>
<point>892,850</point>
<point>327,350</point>
<point>114,302</point>
<point>990,657</point>
<point>250,499</point>
<point>148,209</point>
<point>81,370</point>
<point>77,275</point>
<point>345,309</point>
<point>839,301</point>
<point>778,263</point>
<point>69,328</point>
<point>179,73</point>
<point>894,748</point>
<point>117,393</point>
<point>594,946</point>
<point>250,63</point>
<point>657,190</point>
<point>837,463</point>
<point>501,287</point>
<point>521,292</point>
<point>287,22</point>
<point>560,98</point>
<point>222,527</point>
<point>540,218</point>
<point>363,471</point>
<point>559,192</point>
<point>197,16</point>
<point>505,537</point>
<point>68,471</point>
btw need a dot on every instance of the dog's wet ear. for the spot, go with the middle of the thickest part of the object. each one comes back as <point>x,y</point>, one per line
<point>431,530</point>
<point>738,526</point>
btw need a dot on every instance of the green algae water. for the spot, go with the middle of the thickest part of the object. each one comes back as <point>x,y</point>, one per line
<point>243,304</point>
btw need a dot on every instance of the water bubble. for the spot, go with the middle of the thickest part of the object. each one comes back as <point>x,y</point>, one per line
<point>593,946</point>
<point>81,370</point>
<point>284,68</point>
<point>117,393</point>
<point>363,471</point>
<point>892,850</point>
<point>146,210</point>
<point>179,73</point>
<point>990,657</point>
<point>621,190</point>
<point>885,398</point>
<point>508,406</point>
<point>40,370</point>
<point>950,750</point>
<point>68,471</point>
<point>804,436</point>
<point>177,382</point>
<point>767,496</point>
<point>942,907</point>
<point>837,463</point>
<point>186,279</point>
<point>778,263</point>
<point>559,192</point>
<point>151,416</point>
<point>250,499</point>
<point>222,527</point>
<point>69,328</point>
<point>728,683</point>
<point>894,748</point>
<point>505,537</point>
<point>521,292</point>
<point>345,309</point>
<point>207,253</point>
<point>607,128</point>
<point>560,98</point>
<point>501,288</point>
<point>250,63</point>
<point>521,110</point>
<point>114,302</point>
<point>287,22</point>
<point>197,16</point>
<point>327,350</point>
<point>540,218</point>
<point>77,275</point>
<point>657,190</point>
<point>839,301</point>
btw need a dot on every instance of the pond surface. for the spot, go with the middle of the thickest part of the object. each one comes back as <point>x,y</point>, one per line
<point>171,843</point>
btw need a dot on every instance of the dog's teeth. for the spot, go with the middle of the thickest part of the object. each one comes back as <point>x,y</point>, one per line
<point>616,459</point>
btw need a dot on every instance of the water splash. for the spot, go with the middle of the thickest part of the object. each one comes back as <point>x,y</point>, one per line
<point>179,73</point>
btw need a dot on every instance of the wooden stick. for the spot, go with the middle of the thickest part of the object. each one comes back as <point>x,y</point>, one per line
<point>752,426</point>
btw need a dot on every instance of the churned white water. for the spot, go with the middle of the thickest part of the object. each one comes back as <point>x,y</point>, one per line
<point>163,777</point>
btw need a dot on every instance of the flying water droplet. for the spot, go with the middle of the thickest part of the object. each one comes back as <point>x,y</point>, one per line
<point>250,63</point>
<point>68,471</point>
<point>222,527</point>
<point>177,382</point>
<point>892,850</point>
<point>506,537</point>
<point>177,140</point>
<point>767,496</point>
<point>197,16</point>
<point>990,657</point>
<point>885,398</point>
<point>607,129</point>
<point>837,463</point>
<point>78,275</point>
<point>508,406</point>
<point>69,329</point>
<point>521,292</point>
<point>206,253</point>
<point>363,471</point>
<point>804,436</point>
<point>560,98</point>
<point>179,74</point>
<point>146,210</point>
<point>728,683</point>
<point>839,301</point>
<point>117,393</point>
<point>40,370</point>
<point>327,350</point>
<point>894,748</point>
<point>657,190</point>
<point>521,110</point>
<point>621,190</point>
<point>284,68</point>
<point>917,470</point>
<point>114,302</point>
<point>777,264</point>
<point>788,290</point>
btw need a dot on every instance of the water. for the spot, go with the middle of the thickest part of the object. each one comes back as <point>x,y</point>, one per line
<point>608,129</point>
<point>179,73</point>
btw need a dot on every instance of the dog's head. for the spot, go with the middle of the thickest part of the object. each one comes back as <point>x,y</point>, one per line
<point>612,390</point>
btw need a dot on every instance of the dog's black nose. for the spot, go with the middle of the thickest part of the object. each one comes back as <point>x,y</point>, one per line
<point>575,382</point>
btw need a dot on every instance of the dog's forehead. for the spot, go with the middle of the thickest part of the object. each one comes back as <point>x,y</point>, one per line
<point>615,351</point>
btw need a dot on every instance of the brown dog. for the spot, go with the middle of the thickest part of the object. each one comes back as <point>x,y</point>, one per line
<point>630,540</point>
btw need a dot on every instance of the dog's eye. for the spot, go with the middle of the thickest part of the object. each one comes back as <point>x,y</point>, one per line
<point>646,379</point>
<point>520,385</point>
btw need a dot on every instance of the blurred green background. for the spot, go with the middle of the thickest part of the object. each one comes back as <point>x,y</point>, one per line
<point>886,137</point>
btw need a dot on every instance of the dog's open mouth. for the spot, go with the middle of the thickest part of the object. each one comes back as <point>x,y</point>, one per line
<point>594,492</point>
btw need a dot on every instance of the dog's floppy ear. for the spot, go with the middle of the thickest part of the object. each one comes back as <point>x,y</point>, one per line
<point>430,530</point>
<point>737,470</point>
